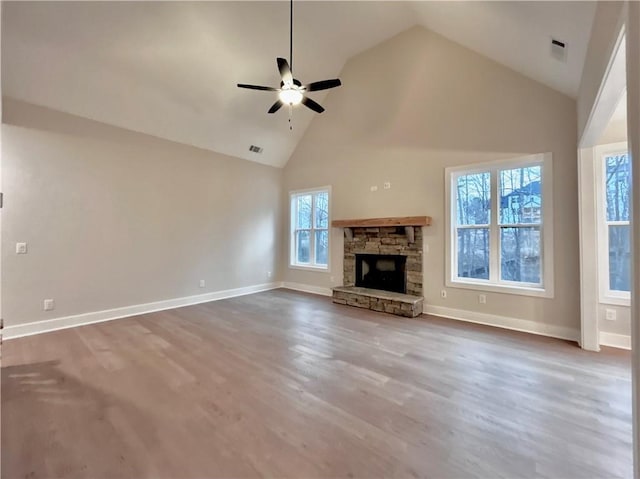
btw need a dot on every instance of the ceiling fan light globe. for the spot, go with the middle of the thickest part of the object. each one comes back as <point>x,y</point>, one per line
<point>290,96</point>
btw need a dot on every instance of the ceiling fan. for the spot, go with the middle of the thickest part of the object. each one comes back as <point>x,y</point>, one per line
<point>292,92</point>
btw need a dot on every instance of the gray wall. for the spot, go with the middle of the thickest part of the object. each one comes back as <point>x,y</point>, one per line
<point>114,218</point>
<point>408,109</point>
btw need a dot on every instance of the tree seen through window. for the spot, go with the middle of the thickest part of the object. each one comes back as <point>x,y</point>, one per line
<point>310,218</point>
<point>518,224</point>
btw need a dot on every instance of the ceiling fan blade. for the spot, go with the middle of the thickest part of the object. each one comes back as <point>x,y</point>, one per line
<point>275,107</point>
<point>323,85</point>
<point>257,87</point>
<point>285,70</point>
<point>309,103</point>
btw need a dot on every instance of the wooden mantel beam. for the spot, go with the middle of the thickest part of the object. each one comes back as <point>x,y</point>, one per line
<point>382,222</point>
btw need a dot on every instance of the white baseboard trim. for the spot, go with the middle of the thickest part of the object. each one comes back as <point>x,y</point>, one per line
<point>613,340</point>
<point>307,288</point>
<point>515,324</point>
<point>38,327</point>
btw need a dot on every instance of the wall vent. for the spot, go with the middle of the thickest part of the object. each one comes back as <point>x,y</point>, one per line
<point>255,149</point>
<point>558,49</point>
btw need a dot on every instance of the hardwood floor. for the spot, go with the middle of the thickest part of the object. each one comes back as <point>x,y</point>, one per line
<point>286,384</point>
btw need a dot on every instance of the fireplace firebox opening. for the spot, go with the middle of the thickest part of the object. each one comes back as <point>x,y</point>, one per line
<point>378,271</point>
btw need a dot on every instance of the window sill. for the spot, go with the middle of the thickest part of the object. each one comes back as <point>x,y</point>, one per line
<point>616,301</point>
<point>303,267</point>
<point>499,288</point>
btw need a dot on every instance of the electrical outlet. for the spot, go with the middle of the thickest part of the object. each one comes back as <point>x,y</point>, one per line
<point>443,294</point>
<point>268,274</point>
<point>21,248</point>
<point>202,283</point>
<point>482,298</point>
<point>387,185</point>
<point>610,314</point>
<point>48,304</point>
<point>374,188</point>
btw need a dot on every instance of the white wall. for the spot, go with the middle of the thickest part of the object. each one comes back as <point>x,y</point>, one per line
<point>603,82</point>
<point>605,33</point>
<point>408,109</point>
<point>115,218</point>
<point>615,132</point>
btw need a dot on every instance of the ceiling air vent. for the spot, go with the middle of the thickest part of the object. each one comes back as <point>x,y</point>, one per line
<point>558,50</point>
<point>255,149</point>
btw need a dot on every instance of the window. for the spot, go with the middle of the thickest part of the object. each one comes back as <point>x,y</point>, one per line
<point>500,226</point>
<point>310,229</point>
<point>614,230</point>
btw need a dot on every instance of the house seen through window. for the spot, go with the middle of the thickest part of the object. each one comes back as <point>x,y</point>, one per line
<point>497,223</point>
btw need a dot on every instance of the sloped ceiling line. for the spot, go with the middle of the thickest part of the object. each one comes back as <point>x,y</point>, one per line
<point>169,69</point>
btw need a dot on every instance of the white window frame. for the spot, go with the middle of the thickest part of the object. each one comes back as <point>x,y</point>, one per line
<point>606,295</point>
<point>494,283</point>
<point>311,266</point>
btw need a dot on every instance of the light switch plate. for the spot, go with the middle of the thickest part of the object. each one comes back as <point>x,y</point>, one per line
<point>21,248</point>
<point>48,304</point>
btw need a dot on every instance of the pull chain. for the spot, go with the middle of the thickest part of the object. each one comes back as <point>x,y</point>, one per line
<point>290,115</point>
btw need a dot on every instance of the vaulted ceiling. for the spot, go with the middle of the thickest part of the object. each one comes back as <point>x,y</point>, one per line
<point>170,69</point>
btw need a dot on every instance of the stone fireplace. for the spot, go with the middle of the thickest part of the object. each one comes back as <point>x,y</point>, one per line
<point>385,241</point>
<point>383,265</point>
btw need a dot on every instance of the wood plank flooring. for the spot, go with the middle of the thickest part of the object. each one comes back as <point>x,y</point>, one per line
<point>285,384</point>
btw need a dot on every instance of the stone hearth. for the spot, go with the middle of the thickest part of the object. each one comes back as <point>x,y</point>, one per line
<point>379,300</point>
